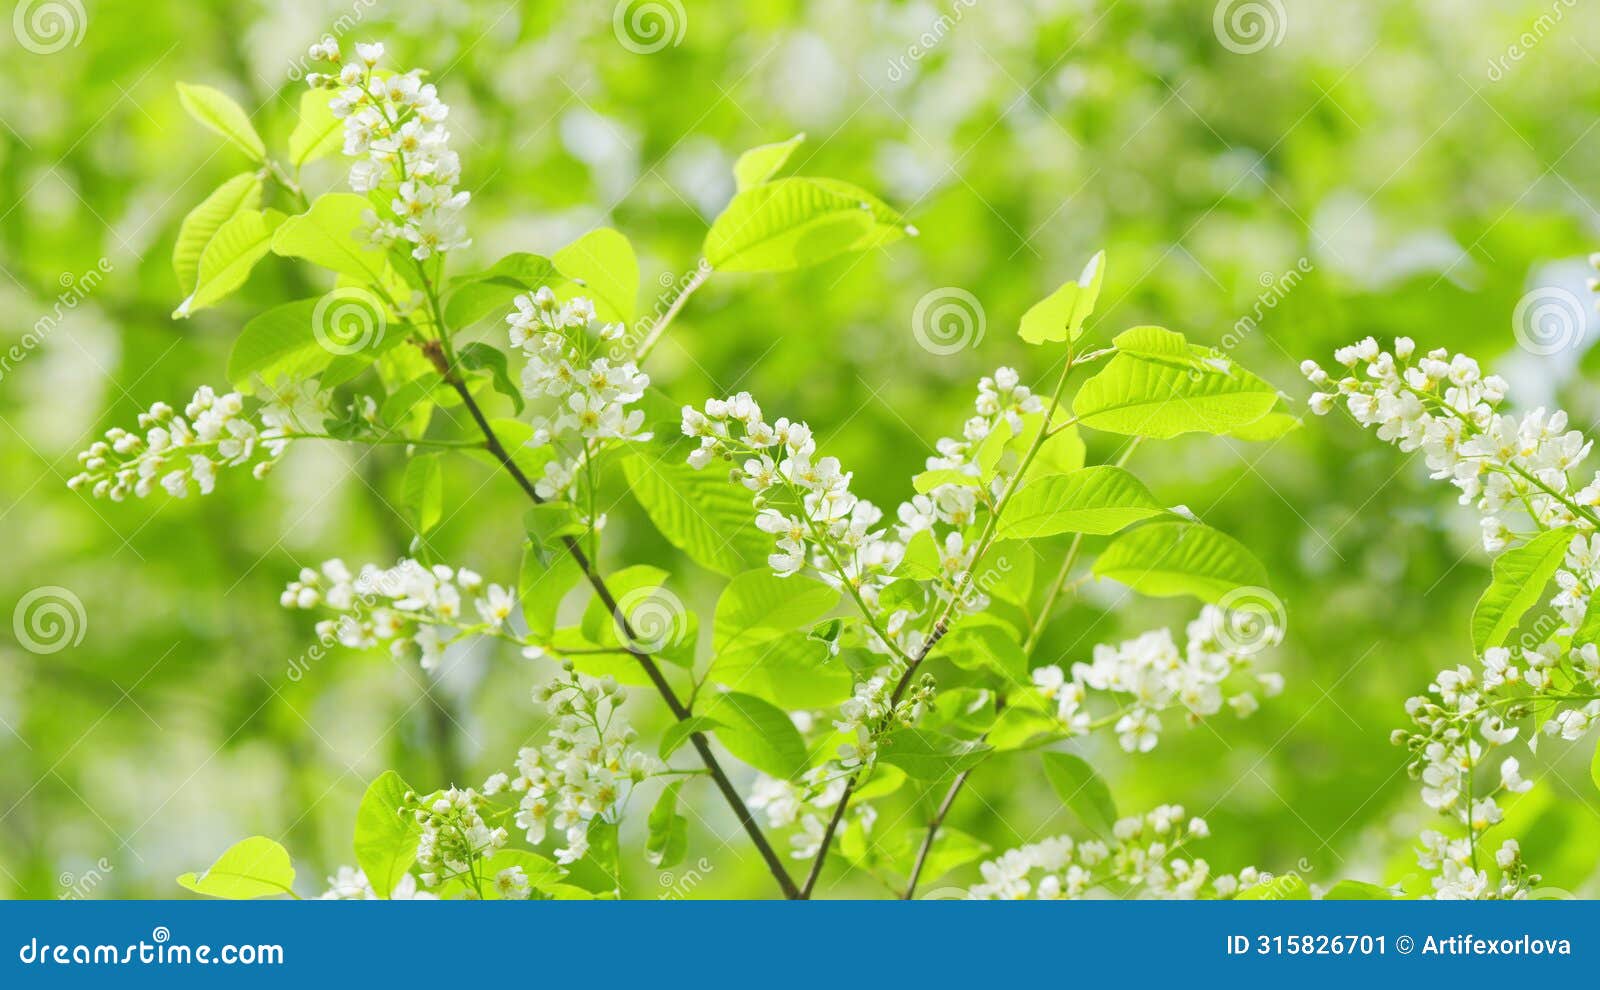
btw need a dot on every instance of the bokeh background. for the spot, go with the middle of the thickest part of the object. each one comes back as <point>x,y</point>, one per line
<point>1296,181</point>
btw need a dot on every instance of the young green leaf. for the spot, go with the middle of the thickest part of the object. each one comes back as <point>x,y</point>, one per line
<point>251,868</point>
<point>1520,575</point>
<point>604,262</point>
<point>331,234</point>
<point>1059,316</point>
<point>386,839</point>
<point>1082,791</point>
<point>298,340</point>
<point>241,241</point>
<point>318,132</point>
<point>1270,427</point>
<point>1163,559</point>
<point>1136,397</point>
<point>795,222</point>
<point>423,490</point>
<point>758,605</point>
<point>490,292</point>
<point>1096,500</point>
<point>545,580</point>
<point>983,642</point>
<point>479,356</point>
<point>1167,346</point>
<point>668,838</point>
<point>240,193</point>
<point>759,734</point>
<point>216,110</point>
<point>698,512</point>
<point>678,733</point>
<point>793,670</point>
<point>931,756</point>
<point>763,162</point>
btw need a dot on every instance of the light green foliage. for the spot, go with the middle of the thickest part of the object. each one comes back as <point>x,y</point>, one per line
<point>251,868</point>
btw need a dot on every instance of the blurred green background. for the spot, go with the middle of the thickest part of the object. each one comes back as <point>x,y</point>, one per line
<point>1415,171</point>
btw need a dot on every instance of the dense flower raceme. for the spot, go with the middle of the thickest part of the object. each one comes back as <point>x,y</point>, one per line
<point>564,343</point>
<point>1516,471</point>
<point>181,452</point>
<point>1139,860</point>
<point>417,610</point>
<point>394,128</point>
<point>585,772</point>
<point>1149,675</point>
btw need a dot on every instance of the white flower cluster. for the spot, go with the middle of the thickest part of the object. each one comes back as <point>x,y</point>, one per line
<point>1458,877</point>
<point>1516,473</point>
<point>803,500</point>
<point>1159,677</point>
<point>807,805</point>
<point>351,884</point>
<point>394,127</point>
<point>181,452</point>
<point>1138,862</point>
<point>455,837</point>
<point>416,609</point>
<point>585,771</point>
<point>565,363</point>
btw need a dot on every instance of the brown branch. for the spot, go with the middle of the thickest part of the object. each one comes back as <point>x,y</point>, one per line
<point>651,668</point>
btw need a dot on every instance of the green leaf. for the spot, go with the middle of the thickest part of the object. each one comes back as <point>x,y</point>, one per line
<point>793,670</point>
<point>216,110</point>
<point>1059,316</point>
<point>668,837</point>
<point>386,839</point>
<point>983,642</point>
<point>1082,791</point>
<point>251,868</point>
<point>927,481</point>
<point>759,734</point>
<point>1136,397</point>
<point>763,162</point>
<point>545,580</point>
<point>1594,766</point>
<point>240,193</point>
<point>1269,427</point>
<point>300,339</point>
<point>678,733</point>
<point>491,291</point>
<point>318,132</point>
<point>1166,346</point>
<point>1095,500</point>
<point>423,490</point>
<point>629,586</point>
<point>1520,575</point>
<point>951,850</point>
<point>795,222</point>
<point>926,755</point>
<point>697,511</point>
<point>479,356</point>
<point>241,241</point>
<point>1178,558</point>
<point>758,605</point>
<point>332,234</point>
<point>604,262</point>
